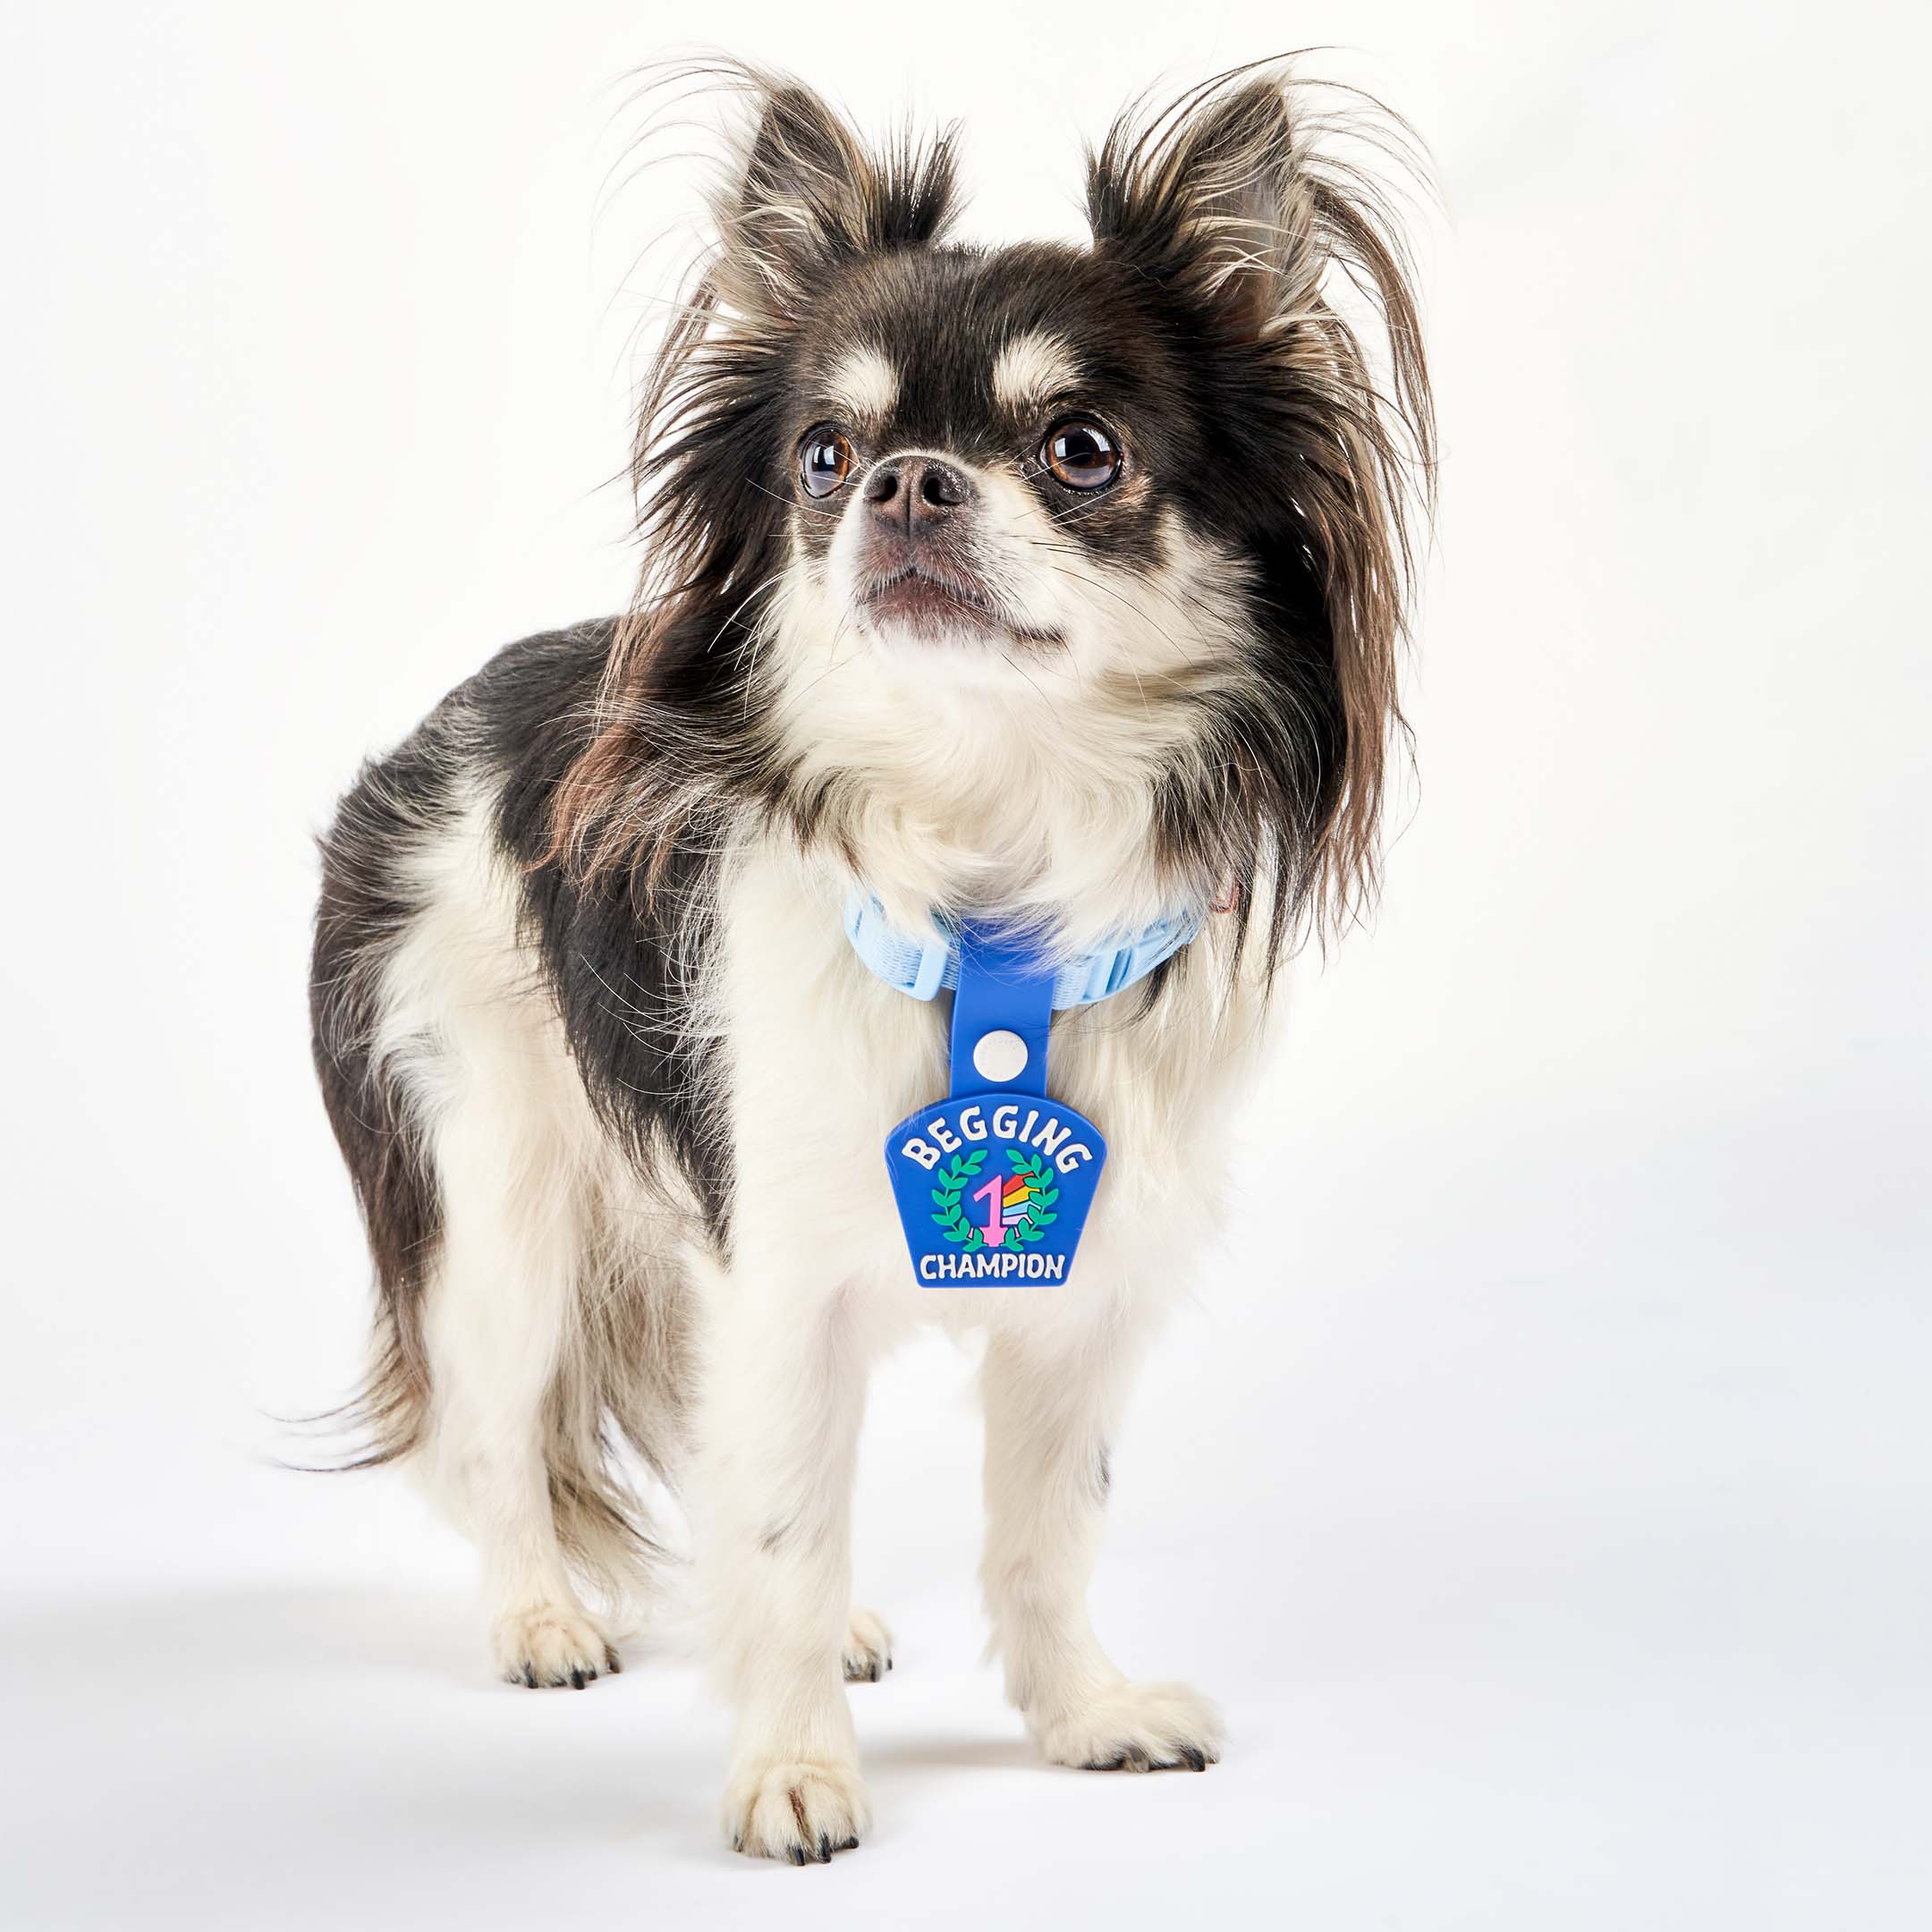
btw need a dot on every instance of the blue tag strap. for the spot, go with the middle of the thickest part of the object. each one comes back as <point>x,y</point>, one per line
<point>1002,1010</point>
<point>924,968</point>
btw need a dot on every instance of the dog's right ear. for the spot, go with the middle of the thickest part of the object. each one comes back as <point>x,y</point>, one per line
<point>1209,197</point>
<point>806,195</point>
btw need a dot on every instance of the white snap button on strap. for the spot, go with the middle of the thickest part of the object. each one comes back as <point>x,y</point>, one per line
<point>1000,1056</point>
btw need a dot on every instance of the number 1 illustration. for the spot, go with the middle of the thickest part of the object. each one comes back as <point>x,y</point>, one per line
<point>990,1193</point>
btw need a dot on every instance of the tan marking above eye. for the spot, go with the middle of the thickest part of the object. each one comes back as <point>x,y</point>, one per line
<point>1032,370</point>
<point>864,384</point>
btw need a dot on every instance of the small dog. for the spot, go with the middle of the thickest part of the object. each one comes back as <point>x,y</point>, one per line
<point>1056,586</point>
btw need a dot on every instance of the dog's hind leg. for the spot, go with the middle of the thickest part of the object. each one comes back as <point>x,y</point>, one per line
<point>501,1306</point>
<point>468,1031</point>
<point>867,1654</point>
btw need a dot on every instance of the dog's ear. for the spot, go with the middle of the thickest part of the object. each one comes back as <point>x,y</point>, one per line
<point>1236,201</point>
<point>805,194</point>
<point>1209,197</point>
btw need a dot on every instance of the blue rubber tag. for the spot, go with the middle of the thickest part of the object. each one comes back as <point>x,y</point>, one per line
<point>994,1182</point>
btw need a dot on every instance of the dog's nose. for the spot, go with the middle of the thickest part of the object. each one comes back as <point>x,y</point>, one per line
<point>908,491</point>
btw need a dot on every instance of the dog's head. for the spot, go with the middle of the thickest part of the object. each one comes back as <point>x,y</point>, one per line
<point>1137,506</point>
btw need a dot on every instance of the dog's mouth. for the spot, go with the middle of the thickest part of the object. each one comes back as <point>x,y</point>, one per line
<point>929,604</point>
<point>932,606</point>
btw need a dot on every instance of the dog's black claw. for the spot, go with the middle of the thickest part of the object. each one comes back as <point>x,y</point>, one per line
<point>851,1844</point>
<point>611,1663</point>
<point>1195,1760</point>
<point>530,1677</point>
<point>577,1678</point>
<point>878,1677</point>
<point>796,1853</point>
<point>825,1848</point>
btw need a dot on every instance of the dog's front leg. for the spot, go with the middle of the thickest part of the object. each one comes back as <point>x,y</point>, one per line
<point>783,1392</point>
<point>1050,1404</point>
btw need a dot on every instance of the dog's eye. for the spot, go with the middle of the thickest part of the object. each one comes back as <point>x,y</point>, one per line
<point>1081,455</point>
<point>824,459</point>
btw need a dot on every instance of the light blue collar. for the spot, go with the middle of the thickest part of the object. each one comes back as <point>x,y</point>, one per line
<point>923,967</point>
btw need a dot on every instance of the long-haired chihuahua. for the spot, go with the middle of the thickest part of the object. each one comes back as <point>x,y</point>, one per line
<point>1050,588</point>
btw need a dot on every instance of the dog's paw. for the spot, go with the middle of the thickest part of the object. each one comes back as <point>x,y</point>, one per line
<point>1135,1728</point>
<point>867,1654</point>
<point>803,1811</point>
<point>552,1645</point>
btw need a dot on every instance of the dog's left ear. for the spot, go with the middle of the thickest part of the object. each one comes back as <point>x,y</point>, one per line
<point>1209,197</point>
<point>1225,202</point>
<point>805,194</point>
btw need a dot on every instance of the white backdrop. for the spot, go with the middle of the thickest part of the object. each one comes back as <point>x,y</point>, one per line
<point>1541,1478</point>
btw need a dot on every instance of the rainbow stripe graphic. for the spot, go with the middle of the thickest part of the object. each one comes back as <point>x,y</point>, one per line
<point>1013,1201</point>
<point>1007,1206</point>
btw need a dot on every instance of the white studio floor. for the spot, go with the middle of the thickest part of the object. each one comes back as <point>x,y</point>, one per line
<point>1544,1586</point>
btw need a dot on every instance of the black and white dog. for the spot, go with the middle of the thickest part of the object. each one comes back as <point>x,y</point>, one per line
<point>1057,586</point>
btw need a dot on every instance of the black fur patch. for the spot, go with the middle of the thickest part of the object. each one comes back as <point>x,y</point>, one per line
<point>615,958</point>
